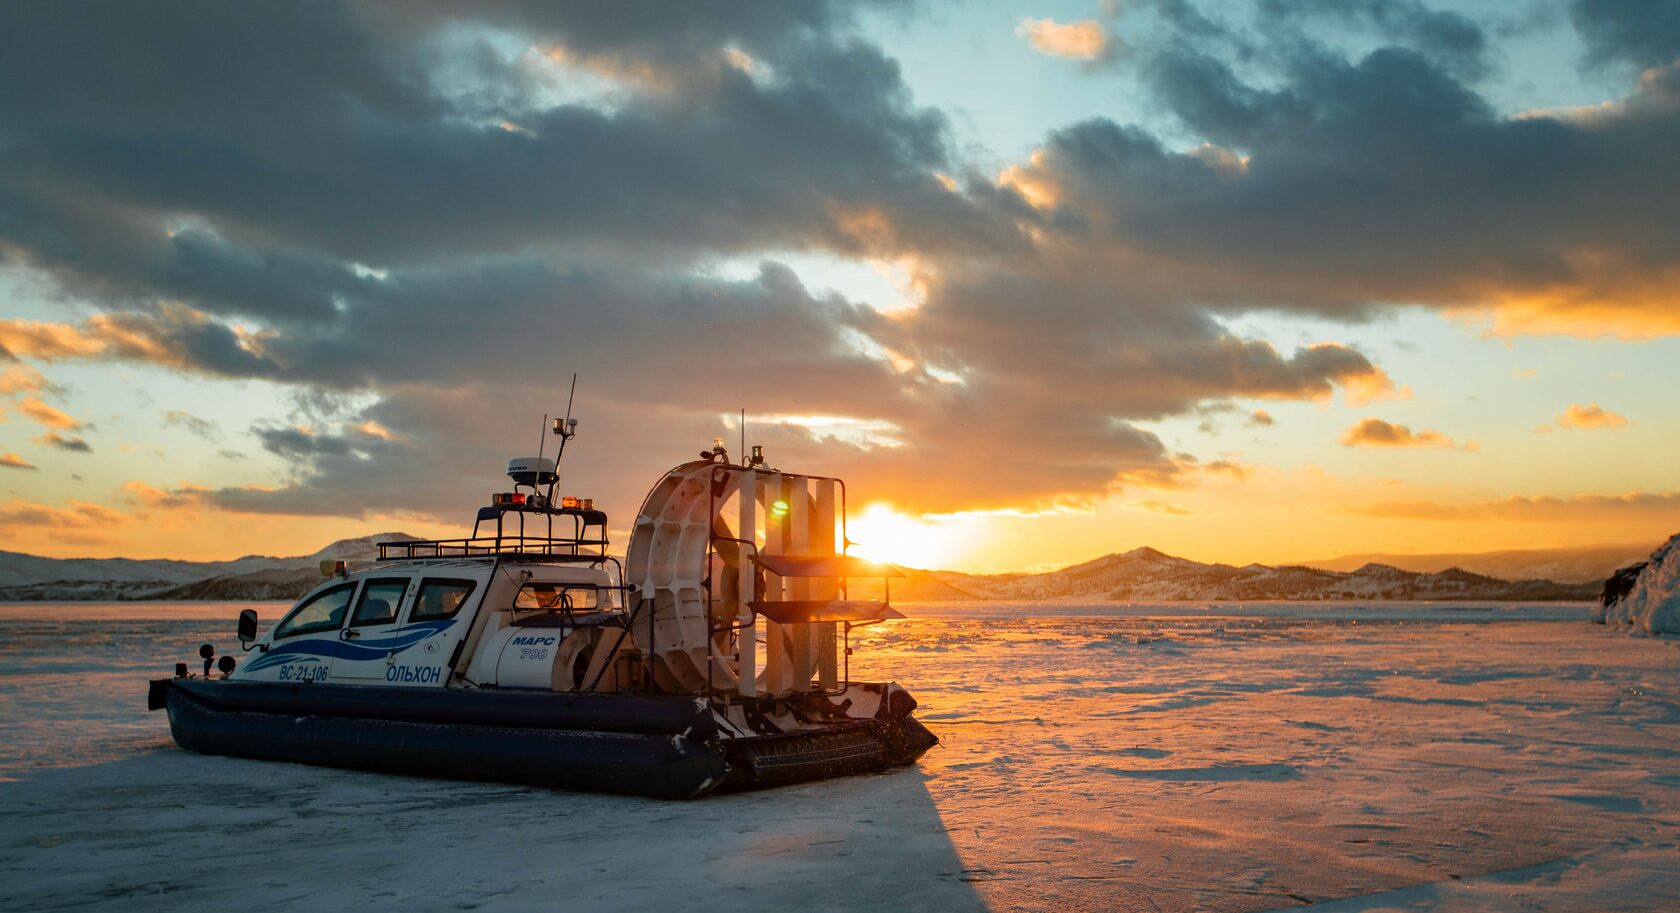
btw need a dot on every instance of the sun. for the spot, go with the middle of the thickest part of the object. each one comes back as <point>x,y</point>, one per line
<point>881,533</point>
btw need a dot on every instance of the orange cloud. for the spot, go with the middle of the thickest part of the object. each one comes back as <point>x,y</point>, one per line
<point>46,340</point>
<point>187,497</point>
<point>1602,293</point>
<point>628,70</point>
<point>1590,417</point>
<point>21,379</point>
<point>370,428</point>
<point>1541,509</point>
<point>1232,468</point>
<point>1034,182</point>
<point>1082,40</point>
<point>1374,432</point>
<point>1160,507</point>
<point>1373,386</point>
<point>79,522</point>
<point>48,416</point>
<point>14,461</point>
<point>133,336</point>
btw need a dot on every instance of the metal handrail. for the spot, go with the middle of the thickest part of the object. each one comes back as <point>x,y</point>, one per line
<point>491,546</point>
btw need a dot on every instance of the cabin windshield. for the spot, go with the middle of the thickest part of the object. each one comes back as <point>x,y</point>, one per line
<point>558,597</point>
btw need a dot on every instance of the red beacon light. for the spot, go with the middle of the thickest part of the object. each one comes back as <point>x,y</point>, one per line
<point>570,502</point>
<point>508,499</point>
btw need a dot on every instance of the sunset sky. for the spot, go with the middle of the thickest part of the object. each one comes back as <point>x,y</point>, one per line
<point>1243,281</point>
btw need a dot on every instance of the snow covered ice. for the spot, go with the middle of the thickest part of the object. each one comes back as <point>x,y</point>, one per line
<point>1170,758</point>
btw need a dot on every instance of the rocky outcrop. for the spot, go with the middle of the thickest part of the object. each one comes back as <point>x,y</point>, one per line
<point>1644,598</point>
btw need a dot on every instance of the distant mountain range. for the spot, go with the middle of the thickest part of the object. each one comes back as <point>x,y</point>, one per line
<point>1147,575</point>
<point>1140,575</point>
<point>253,577</point>
<point>1570,565</point>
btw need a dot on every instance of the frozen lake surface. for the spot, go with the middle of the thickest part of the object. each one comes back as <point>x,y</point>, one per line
<point>1155,758</point>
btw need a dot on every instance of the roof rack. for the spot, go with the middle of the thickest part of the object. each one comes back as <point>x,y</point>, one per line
<point>587,542</point>
<point>527,547</point>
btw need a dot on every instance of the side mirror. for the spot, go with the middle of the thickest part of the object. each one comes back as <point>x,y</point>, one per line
<point>247,628</point>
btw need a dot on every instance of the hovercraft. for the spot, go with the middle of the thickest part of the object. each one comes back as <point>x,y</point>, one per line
<point>714,657</point>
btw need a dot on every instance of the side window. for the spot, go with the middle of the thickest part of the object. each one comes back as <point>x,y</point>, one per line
<point>324,612</point>
<point>557,597</point>
<point>440,599</point>
<point>379,603</point>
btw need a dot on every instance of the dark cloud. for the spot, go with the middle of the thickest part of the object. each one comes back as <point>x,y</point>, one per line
<point>1356,183</point>
<point>62,442</point>
<point>332,136</point>
<point>445,213</point>
<point>300,443</point>
<point>1446,37</point>
<point>1642,33</point>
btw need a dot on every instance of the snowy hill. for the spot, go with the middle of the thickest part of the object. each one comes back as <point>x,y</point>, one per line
<point>32,577</point>
<point>1140,575</point>
<point>18,569</point>
<point>1569,565</point>
<point>1147,575</point>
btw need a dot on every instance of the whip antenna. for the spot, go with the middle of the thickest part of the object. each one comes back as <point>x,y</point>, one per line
<point>567,429</point>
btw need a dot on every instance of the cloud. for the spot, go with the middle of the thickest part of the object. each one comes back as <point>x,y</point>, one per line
<point>1160,507</point>
<point>186,497</point>
<point>49,416</point>
<point>1082,40</point>
<point>342,211</point>
<point>71,443</point>
<point>21,379</point>
<point>44,340</point>
<point>1641,33</point>
<point>1538,509</point>
<point>1350,194</point>
<point>79,522</point>
<point>170,334</point>
<point>1447,38</point>
<point>373,127</point>
<point>1374,432</point>
<point>1590,417</point>
<point>202,427</point>
<point>1226,467</point>
<point>13,461</point>
<point>1261,418</point>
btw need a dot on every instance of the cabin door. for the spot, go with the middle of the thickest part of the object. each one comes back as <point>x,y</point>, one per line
<point>414,646</point>
<point>371,637</point>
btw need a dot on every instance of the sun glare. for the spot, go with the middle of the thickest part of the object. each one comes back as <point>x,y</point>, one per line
<point>881,533</point>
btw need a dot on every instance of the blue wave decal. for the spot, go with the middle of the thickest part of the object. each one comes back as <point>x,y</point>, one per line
<point>318,647</point>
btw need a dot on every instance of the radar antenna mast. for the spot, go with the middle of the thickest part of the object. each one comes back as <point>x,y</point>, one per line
<point>567,429</point>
